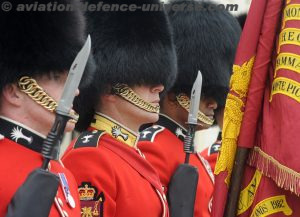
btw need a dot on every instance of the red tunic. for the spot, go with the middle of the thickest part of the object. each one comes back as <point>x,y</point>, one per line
<point>97,164</point>
<point>211,153</point>
<point>17,160</point>
<point>162,145</point>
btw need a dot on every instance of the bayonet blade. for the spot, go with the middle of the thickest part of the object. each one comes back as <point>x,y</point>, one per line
<point>195,100</point>
<point>74,78</point>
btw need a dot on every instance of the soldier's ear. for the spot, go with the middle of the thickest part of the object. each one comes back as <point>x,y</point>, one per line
<point>12,94</point>
<point>171,99</point>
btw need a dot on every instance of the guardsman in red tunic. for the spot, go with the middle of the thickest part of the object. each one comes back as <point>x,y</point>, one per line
<point>136,60</point>
<point>37,50</point>
<point>205,40</point>
<point>211,153</point>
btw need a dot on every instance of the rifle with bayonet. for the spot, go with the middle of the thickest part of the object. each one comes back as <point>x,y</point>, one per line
<point>36,196</point>
<point>51,146</point>
<point>183,184</point>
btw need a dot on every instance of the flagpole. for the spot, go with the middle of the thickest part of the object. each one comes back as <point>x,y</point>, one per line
<point>236,181</point>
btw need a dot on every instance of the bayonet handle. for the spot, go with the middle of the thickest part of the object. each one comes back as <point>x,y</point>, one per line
<point>51,146</point>
<point>188,142</point>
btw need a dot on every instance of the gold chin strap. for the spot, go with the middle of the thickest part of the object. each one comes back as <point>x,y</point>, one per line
<point>29,86</point>
<point>128,94</point>
<point>184,101</point>
<point>33,90</point>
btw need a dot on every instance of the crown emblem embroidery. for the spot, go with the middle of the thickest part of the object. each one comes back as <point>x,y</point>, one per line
<point>87,192</point>
<point>91,203</point>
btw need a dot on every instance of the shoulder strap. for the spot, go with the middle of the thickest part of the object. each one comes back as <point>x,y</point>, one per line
<point>88,139</point>
<point>149,133</point>
<point>214,148</point>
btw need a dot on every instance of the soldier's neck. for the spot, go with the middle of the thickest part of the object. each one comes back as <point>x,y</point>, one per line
<point>125,120</point>
<point>173,115</point>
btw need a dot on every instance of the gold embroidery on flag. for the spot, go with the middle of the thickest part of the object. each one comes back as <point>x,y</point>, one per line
<point>233,115</point>
<point>289,36</point>
<point>247,195</point>
<point>291,12</point>
<point>288,61</point>
<point>270,206</point>
<point>282,175</point>
<point>240,78</point>
<point>286,87</point>
<point>231,129</point>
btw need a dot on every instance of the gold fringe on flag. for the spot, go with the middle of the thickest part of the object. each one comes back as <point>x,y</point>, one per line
<point>283,176</point>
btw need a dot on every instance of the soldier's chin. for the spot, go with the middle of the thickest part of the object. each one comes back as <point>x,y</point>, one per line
<point>152,117</point>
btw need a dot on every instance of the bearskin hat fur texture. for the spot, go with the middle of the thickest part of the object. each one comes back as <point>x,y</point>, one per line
<point>132,47</point>
<point>135,48</point>
<point>242,19</point>
<point>38,42</point>
<point>205,40</point>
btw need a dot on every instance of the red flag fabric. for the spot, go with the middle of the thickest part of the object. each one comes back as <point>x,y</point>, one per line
<point>255,48</point>
<point>272,178</point>
<point>261,196</point>
<point>276,142</point>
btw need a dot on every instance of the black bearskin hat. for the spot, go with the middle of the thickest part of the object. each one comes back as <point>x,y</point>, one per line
<point>134,48</point>
<point>242,19</point>
<point>39,42</point>
<point>205,40</point>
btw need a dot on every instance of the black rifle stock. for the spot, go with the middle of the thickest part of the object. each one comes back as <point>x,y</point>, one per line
<point>183,184</point>
<point>52,143</point>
